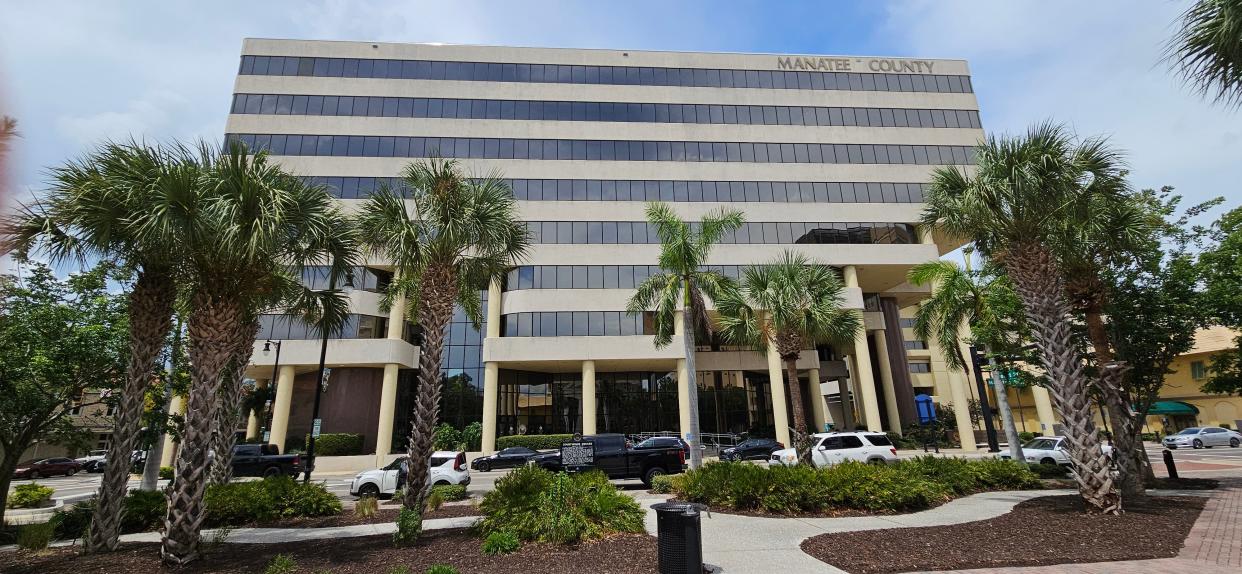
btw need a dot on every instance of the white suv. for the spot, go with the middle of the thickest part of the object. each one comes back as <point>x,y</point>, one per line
<point>447,467</point>
<point>834,447</point>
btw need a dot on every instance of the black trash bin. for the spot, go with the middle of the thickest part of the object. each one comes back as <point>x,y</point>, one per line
<point>680,538</point>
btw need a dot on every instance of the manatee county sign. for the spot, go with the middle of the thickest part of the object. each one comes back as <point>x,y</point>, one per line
<point>819,64</point>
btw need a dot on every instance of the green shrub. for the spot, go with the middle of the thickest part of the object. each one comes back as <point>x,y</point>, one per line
<point>904,441</point>
<point>336,444</point>
<point>450,492</point>
<point>35,536</point>
<point>1025,437</point>
<point>433,501</point>
<point>268,499</point>
<point>501,543</point>
<point>472,436</point>
<point>1049,470</point>
<point>662,484</point>
<point>409,527</point>
<point>71,524</point>
<point>533,441</point>
<point>366,506</point>
<point>536,505</point>
<point>908,485</point>
<point>441,569</point>
<point>281,564</point>
<point>142,511</point>
<point>445,437</point>
<point>166,472</point>
<point>31,495</point>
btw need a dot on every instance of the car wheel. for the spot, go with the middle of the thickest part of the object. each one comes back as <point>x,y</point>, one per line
<point>484,466</point>
<point>1198,443</point>
<point>442,483</point>
<point>34,474</point>
<point>71,472</point>
<point>1233,443</point>
<point>650,475</point>
<point>1048,460</point>
<point>875,461</point>
<point>368,489</point>
<point>271,471</point>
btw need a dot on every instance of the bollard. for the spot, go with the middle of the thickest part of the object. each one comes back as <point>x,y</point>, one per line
<point>1169,464</point>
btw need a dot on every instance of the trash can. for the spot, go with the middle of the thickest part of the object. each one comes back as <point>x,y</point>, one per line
<point>680,538</point>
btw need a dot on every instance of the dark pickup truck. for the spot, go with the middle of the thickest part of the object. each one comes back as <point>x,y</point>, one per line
<point>617,460</point>
<point>264,460</point>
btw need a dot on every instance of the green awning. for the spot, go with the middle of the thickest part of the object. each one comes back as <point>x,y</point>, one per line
<point>1172,408</point>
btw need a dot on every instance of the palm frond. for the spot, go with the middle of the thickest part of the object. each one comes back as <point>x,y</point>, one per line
<point>1206,50</point>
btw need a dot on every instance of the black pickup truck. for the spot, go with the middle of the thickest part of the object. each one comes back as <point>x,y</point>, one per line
<point>617,460</point>
<point>264,460</point>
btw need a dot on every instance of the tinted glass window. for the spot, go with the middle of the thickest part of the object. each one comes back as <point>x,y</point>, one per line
<point>851,442</point>
<point>878,440</point>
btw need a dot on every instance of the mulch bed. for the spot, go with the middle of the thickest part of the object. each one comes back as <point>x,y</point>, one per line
<point>1038,532</point>
<point>622,554</point>
<point>348,518</point>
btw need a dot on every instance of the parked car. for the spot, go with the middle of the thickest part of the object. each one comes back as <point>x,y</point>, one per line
<point>505,458</point>
<point>264,460</point>
<point>95,465</point>
<point>47,467</point>
<point>447,467</point>
<point>92,456</point>
<point>618,460</point>
<point>752,449</point>
<point>835,447</point>
<point>657,442</point>
<point>1203,437</point>
<point>1051,450</point>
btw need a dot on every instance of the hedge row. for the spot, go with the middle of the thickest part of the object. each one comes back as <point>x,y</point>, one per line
<point>907,485</point>
<point>533,441</point>
<point>336,444</point>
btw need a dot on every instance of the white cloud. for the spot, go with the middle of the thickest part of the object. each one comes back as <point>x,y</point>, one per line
<point>1093,65</point>
<point>154,116</point>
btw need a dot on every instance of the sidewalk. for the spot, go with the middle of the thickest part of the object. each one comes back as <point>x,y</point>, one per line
<point>1213,546</point>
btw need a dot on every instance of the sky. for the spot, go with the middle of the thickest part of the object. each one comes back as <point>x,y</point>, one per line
<point>76,73</point>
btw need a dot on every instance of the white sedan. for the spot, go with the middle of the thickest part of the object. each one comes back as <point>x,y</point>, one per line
<point>1051,450</point>
<point>1200,437</point>
<point>447,467</point>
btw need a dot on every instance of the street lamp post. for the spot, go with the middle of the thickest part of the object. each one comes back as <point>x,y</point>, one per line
<point>271,385</point>
<point>988,426</point>
<point>319,381</point>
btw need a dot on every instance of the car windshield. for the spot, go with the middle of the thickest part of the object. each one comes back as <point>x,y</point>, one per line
<point>1191,430</point>
<point>650,443</point>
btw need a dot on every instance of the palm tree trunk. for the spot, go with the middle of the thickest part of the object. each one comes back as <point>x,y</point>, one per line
<point>692,438</point>
<point>1002,405</point>
<point>230,414</point>
<point>150,317</point>
<point>151,470</point>
<point>215,325</point>
<point>802,442</point>
<point>1112,376</point>
<point>1039,284</point>
<point>435,310</point>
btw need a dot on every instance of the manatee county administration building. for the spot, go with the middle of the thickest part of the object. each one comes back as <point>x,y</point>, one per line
<point>828,156</point>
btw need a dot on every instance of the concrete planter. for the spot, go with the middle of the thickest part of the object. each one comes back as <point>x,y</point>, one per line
<point>24,516</point>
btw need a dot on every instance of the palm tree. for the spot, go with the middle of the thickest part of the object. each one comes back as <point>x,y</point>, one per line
<point>466,234</point>
<point>251,226</point>
<point>93,209</point>
<point>794,303</point>
<point>962,297</point>
<point>1027,198</point>
<point>1206,51</point>
<point>684,249</point>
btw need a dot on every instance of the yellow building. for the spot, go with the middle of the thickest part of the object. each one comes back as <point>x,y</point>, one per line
<point>1181,403</point>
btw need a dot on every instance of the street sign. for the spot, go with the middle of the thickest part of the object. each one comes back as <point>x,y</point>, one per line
<point>577,454</point>
<point>267,436</point>
<point>315,428</point>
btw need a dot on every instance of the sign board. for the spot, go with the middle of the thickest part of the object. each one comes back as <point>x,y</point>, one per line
<point>577,454</point>
<point>315,428</point>
<point>267,436</point>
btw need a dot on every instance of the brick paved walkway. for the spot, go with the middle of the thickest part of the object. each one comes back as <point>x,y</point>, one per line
<point>1213,546</point>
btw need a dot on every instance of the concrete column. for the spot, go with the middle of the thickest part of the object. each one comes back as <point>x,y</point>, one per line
<point>780,412</point>
<point>869,403</point>
<point>252,425</point>
<point>280,409</point>
<point>886,379</point>
<point>387,412</point>
<point>491,390</point>
<point>1043,408</point>
<point>819,410</point>
<point>926,237</point>
<point>177,407</point>
<point>845,390</point>
<point>588,396</point>
<point>961,411</point>
<point>491,371</point>
<point>684,380</point>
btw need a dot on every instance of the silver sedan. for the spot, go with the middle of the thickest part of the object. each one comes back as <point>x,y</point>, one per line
<point>1200,437</point>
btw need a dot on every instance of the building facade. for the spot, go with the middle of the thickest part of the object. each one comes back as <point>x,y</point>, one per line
<point>828,156</point>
